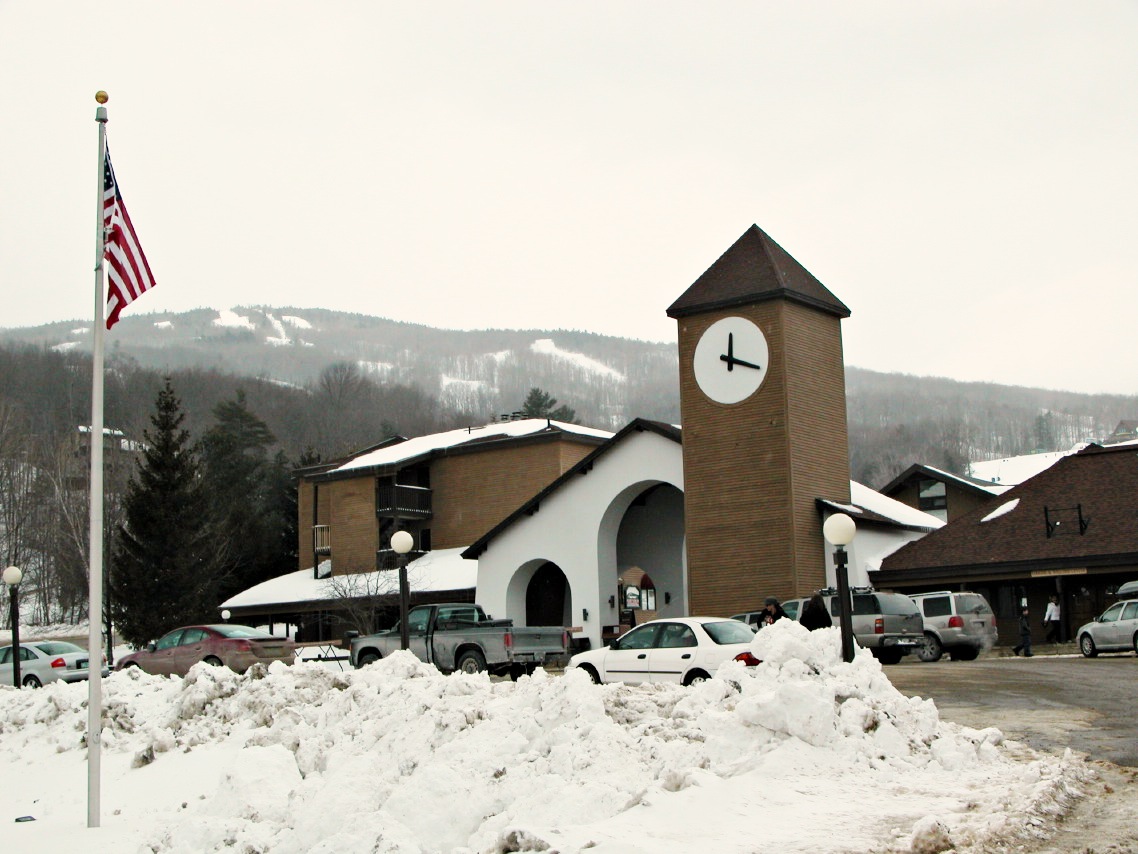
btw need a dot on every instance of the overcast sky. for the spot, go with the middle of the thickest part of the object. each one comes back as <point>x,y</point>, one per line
<point>962,175</point>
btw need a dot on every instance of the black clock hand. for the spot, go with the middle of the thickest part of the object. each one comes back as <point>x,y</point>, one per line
<point>730,357</point>
<point>745,364</point>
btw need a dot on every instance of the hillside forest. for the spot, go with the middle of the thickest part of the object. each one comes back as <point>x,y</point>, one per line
<point>241,438</point>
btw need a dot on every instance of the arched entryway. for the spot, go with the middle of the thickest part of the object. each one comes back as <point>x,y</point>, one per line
<point>547,597</point>
<point>642,537</point>
<point>538,595</point>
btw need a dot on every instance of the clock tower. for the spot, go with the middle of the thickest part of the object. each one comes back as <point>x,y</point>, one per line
<point>763,406</point>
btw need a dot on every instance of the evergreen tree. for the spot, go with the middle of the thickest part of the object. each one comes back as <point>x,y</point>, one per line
<point>163,571</point>
<point>252,495</point>
<point>539,404</point>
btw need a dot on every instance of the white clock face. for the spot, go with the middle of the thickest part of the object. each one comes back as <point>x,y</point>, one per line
<point>731,360</point>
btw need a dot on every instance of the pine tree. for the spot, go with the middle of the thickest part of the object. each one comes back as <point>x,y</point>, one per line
<point>253,504</point>
<point>539,404</point>
<point>163,572</point>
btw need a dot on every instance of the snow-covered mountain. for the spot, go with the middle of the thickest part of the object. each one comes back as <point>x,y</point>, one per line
<point>609,380</point>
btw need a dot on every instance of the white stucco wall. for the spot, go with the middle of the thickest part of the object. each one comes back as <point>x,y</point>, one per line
<point>577,527</point>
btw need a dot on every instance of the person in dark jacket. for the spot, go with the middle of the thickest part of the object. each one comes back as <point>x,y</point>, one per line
<point>1024,635</point>
<point>814,614</point>
<point>772,611</point>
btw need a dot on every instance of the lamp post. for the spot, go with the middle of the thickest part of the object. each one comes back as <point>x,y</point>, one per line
<point>401,543</point>
<point>12,577</point>
<point>840,529</point>
<point>225,615</point>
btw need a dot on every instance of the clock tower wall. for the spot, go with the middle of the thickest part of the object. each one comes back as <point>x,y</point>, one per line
<point>762,401</point>
<point>737,480</point>
<point>818,437</point>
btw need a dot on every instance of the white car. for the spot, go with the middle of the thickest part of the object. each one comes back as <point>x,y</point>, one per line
<point>1113,630</point>
<point>47,661</point>
<point>674,649</point>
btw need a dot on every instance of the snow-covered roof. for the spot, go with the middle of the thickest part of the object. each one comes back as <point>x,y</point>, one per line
<point>443,569</point>
<point>891,508</point>
<point>422,445</point>
<point>866,504</point>
<point>1011,471</point>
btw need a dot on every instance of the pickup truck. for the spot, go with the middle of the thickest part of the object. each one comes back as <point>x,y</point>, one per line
<point>462,637</point>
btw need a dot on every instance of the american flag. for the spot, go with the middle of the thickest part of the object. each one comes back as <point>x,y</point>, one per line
<point>130,275</point>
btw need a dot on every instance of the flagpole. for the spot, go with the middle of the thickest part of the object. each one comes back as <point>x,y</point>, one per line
<point>95,576</point>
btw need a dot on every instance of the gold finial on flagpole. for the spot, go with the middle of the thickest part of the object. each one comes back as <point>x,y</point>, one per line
<point>102,97</point>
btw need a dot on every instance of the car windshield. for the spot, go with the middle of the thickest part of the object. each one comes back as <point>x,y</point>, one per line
<point>240,632</point>
<point>59,647</point>
<point>729,631</point>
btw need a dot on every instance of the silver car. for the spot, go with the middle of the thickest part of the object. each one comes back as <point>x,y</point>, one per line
<point>887,624</point>
<point>47,661</point>
<point>1115,629</point>
<point>961,624</point>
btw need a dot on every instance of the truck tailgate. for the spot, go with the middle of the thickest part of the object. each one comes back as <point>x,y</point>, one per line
<point>536,643</point>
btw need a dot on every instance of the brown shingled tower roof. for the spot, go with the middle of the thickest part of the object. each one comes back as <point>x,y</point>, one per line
<point>755,269</point>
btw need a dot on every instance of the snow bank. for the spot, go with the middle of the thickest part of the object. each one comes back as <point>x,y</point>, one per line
<point>795,753</point>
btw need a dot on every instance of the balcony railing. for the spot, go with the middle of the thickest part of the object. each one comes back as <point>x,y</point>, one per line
<point>389,559</point>
<point>402,502</point>
<point>322,539</point>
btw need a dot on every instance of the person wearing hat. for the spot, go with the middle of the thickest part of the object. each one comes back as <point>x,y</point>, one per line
<point>771,611</point>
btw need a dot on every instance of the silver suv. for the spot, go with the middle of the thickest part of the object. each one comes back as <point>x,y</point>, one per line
<point>887,624</point>
<point>961,624</point>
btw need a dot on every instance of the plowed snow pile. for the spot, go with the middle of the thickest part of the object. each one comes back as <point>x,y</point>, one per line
<point>802,753</point>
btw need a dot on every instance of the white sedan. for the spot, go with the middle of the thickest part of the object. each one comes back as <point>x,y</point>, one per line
<point>675,649</point>
<point>46,661</point>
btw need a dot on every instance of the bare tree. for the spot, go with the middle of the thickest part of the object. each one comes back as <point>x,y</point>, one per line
<point>358,598</point>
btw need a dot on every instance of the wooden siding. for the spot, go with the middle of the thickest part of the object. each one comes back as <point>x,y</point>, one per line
<point>959,500</point>
<point>752,470</point>
<point>818,433</point>
<point>474,492</point>
<point>355,530</point>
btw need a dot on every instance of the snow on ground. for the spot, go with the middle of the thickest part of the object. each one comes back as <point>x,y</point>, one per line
<point>803,753</point>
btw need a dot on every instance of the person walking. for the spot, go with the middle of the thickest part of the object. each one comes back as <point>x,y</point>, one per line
<point>1051,620</point>
<point>1024,645</point>
<point>814,614</point>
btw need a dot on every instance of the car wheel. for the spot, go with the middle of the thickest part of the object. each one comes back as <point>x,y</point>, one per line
<point>592,673</point>
<point>212,661</point>
<point>888,656</point>
<point>1087,646</point>
<point>32,681</point>
<point>472,661</point>
<point>695,677</point>
<point>1136,644</point>
<point>965,653</point>
<point>366,658</point>
<point>930,650</point>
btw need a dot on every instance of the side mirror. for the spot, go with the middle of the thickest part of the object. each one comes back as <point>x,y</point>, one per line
<point>614,644</point>
<point>150,647</point>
